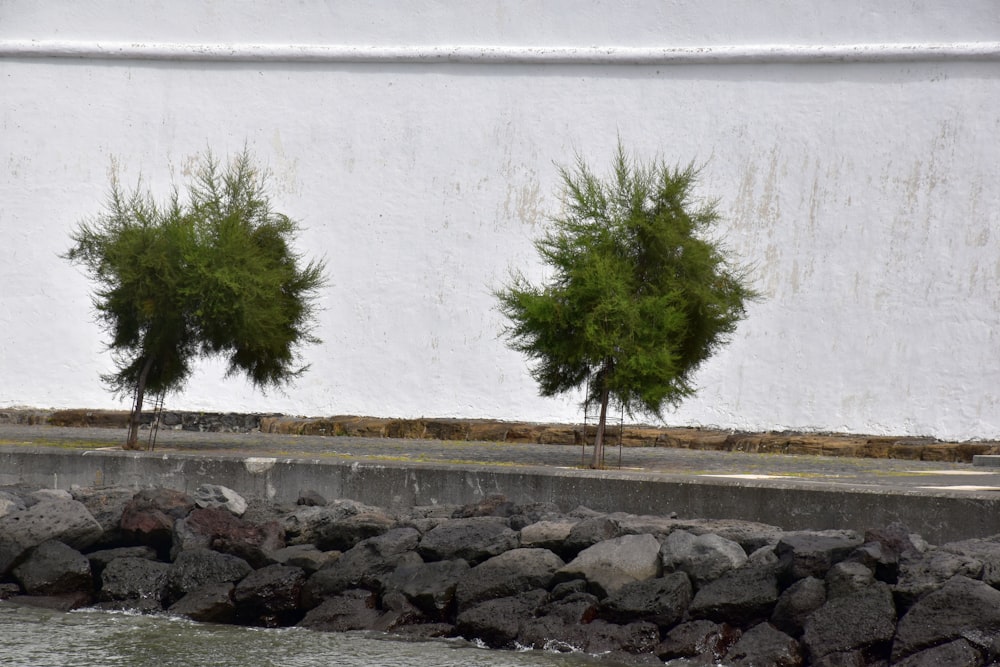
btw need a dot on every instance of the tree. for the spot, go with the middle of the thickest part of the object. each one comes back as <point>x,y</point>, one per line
<point>640,293</point>
<point>212,276</point>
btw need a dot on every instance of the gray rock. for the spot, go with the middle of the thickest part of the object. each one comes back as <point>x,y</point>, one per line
<point>847,578</point>
<point>863,621</point>
<point>134,579</point>
<point>702,640</point>
<point>507,574</point>
<point>796,603</point>
<point>589,531</point>
<point>209,604</point>
<point>305,556</point>
<point>547,534</point>
<point>310,498</point>
<point>199,567</point>
<point>762,645</point>
<point>497,623</point>
<point>611,638</point>
<point>10,502</point>
<point>985,551</point>
<point>364,566</point>
<point>742,596</point>
<point>958,653</point>
<point>929,571</point>
<point>270,596</point>
<point>961,608</point>
<point>430,587</point>
<point>222,497</point>
<point>473,540</point>
<point>702,557</point>
<point>52,568</point>
<point>106,505</point>
<point>100,559</point>
<point>662,601</point>
<point>611,564</point>
<point>45,495</point>
<point>66,521</point>
<point>351,610</point>
<point>811,553</point>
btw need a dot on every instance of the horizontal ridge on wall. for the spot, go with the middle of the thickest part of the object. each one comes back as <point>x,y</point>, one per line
<point>506,55</point>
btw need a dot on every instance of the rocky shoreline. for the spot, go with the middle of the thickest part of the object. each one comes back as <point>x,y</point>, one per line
<point>633,589</point>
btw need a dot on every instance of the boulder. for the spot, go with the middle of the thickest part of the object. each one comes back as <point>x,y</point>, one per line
<point>351,610</point>
<point>928,571</point>
<point>430,587</point>
<point>560,624</point>
<point>66,521</point>
<point>10,502</point>
<point>958,653</point>
<point>61,603</point>
<point>472,540</point>
<point>609,565</point>
<point>764,644</point>
<point>219,529</point>
<point>100,559</point>
<point>847,578</point>
<point>589,531</point>
<point>702,639</point>
<point>863,621</point>
<point>507,574</point>
<point>135,579</point>
<point>311,498</point>
<point>209,604</point>
<point>985,551</point>
<point>811,553</point>
<point>221,497</point>
<point>663,601</point>
<point>149,517</point>
<point>337,526</point>
<point>491,505</point>
<point>702,557</point>
<point>796,603</point>
<point>497,622</point>
<point>610,638</point>
<point>269,597</point>
<point>106,505</point>
<point>305,556</point>
<point>743,596</point>
<point>199,567</point>
<point>52,568</point>
<point>961,608</point>
<point>365,565</point>
<point>547,534</point>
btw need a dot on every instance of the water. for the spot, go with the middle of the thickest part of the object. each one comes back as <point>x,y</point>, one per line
<point>40,638</point>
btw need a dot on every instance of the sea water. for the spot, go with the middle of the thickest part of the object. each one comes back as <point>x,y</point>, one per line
<point>31,637</point>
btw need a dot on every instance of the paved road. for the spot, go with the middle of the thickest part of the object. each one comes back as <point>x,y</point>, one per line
<point>886,474</point>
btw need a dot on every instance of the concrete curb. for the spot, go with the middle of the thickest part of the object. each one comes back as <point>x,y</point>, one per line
<point>791,443</point>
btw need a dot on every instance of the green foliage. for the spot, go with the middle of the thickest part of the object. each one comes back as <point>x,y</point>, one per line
<point>212,276</point>
<point>640,293</point>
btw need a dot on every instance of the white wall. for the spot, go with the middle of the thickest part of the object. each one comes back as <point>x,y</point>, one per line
<point>865,188</point>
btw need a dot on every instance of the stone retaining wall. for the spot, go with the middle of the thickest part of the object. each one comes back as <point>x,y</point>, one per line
<point>825,444</point>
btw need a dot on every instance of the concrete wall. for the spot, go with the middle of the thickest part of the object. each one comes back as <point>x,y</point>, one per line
<point>938,518</point>
<point>852,146</point>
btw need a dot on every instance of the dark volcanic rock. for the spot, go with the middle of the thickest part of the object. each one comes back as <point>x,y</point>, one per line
<point>66,521</point>
<point>337,526</point>
<point>703,557</point>
<point>100,559</point>
<point>929,571</point>
<point>743,596</point>
<point>199,567</point>
<point>219,529</point>
<point>958,653</point>
<point>136,579</point>
<point>209,604</point>
<point>430,587</point>
<point>811,553</point>
<point>764,644</point>
<point>472,540</point>
<point>351,610</point>
<point>961,608</point>
<point>510,573</point>
<point>497,622</point>
<point>609,565</point>
<point>52,568</point>
<point>149,517</point>
<point>270,596</point>
<point>863,621</point>
<point>796,603</point>
<point>698,639</point>
<point>106,505</point>
<point>662,601</point>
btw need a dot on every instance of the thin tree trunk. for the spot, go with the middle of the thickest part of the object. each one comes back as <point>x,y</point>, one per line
<point>598,460</point>
<point>133,421</point>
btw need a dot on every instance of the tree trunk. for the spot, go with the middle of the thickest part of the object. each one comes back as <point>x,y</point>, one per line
<point>133,421</point>
<point>598,461</point>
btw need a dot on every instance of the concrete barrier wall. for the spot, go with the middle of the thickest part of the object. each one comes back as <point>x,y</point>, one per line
<point>852,148</point>
<point>938,518</point>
